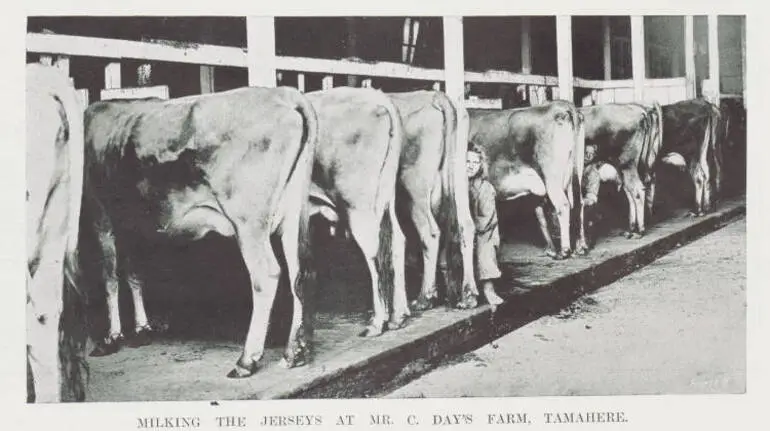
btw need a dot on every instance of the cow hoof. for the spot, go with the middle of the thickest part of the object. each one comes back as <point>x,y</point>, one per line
<point>581,250</point>
<point>142,337</point>
<point>564,254</point>
<point>637,235</point>
<point>240,371</point>
<point>373,330</point>
<point>109,346</point>
<point>422,303</point>
<point>470,301</point>
<point>397,323</point>
<point>297,361</point>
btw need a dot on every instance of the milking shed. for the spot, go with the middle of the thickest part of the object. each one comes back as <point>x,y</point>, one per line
<point>488,62</point>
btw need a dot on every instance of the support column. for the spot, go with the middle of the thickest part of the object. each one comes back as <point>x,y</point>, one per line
<point>714,57</point>
<point>351,49</point>
<point>564,56</point>
<point>607,43</point>
<point>206,72</point>
<point>689,56</point>
<point>260,40</point>
<point>112,76</point>
<point>637,56</point>
<point>526,46</point>
<point>454,58</point>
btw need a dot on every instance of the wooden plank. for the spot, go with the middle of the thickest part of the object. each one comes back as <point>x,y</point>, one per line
<point>624,95</point>
<point>505,77</point>
<point>713,38</point>
<point>301,82</point>
<point>207,79</point>
<point>454,58</point>
<point>366,83</point>
<point>83,95</point>
<point>112,75</point>
<point>436,86</point>
<point>526,46</point>
<point>689,55</point>
<point>480,103</point>
<point>564,56</point>
<point>160,91</point>
<point>260,50</point>
<point>637,55</point>
<point>154,51</point>
<point>607,44</point>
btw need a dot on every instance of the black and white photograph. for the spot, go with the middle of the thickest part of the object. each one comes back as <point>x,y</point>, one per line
<point>396,207</point>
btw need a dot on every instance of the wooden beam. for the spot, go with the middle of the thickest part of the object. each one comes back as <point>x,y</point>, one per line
<point>713,37</point>
<point>607,44</point>
<point>260,45</point>
<point>637,56</point>
<point>112,76</point>
<point>454,58</point>
<point>564,56</point>
<point>526,46</point>
<point>301,82</point>
<point>207,79</point>
<point>689,55</point>
<point>327,82</point>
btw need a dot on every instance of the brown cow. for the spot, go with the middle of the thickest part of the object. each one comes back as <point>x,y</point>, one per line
<point>354,182</point>
<point>54,188</point>
<point>691,141</point>
<point>539,151</point>
<point>432,175</point>
<point>237,163</point>
<point>626,137</point>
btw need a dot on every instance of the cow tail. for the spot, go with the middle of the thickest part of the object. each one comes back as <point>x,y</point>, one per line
<point>386,197</point>
<point>73,332</point>
<point>451,229</point>
<point>655,143</point>
<point>306,277</point>
<point>715,146</point>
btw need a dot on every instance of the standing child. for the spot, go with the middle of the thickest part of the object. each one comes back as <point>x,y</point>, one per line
<point>484,213</point>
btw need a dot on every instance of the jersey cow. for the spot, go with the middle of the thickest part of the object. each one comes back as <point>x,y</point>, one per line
<point>54,188</point>
<point>237,163</point>
<point>354,182</point>
<point>537,150</point>
<point>434,192</point>
<point>691,141</point>
<point>626,138</point>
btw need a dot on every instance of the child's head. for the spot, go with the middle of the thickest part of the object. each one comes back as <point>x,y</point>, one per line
<point>590,153</point>
<point>473,160</point>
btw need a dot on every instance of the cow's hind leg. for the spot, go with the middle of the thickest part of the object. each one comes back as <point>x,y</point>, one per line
<point>142,329</point>
<point>365,228</point>
<point>264,272</point>
<point>400,305</point>
<point>542,221</point>
<point>634,189</point>
<point>562,208</point>
<point>108,254</point>
<point>428,231</point>
<point>44,308</point>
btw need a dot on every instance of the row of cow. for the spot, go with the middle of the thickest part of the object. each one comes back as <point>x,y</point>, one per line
<point>256,163</point>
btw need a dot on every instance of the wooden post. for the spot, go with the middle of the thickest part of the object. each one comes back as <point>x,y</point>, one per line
<point>454,58</point>
<point>351,50</point>
<point>564,56</point>
<point>366,83</point>
<point>301,82</point>
<point>260,45</point>
<point>637,56</point>
<point>689,55</point>
<point>206,72</point>
<point>112,76</point>
<point>713,36</point>
<point>607,43</point>
<point>327,82</point>
<point>46,60</point>
<point>207,79</point>
<point>436,86</point>
<point>526,46</point>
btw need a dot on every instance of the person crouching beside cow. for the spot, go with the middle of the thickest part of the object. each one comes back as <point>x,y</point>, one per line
<point>596,173</point>
<point>487,241</point>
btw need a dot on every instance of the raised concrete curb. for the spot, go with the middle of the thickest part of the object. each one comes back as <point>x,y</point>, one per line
<point>385,371</point>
